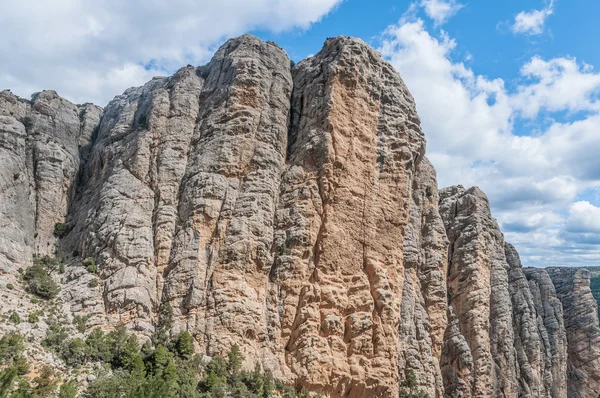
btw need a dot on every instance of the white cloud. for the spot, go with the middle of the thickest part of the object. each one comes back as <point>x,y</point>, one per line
<point>532,22</point>
<point>471,123</point>
<point>584,217</point>
<point>440,10</point>
<point>93,50</point>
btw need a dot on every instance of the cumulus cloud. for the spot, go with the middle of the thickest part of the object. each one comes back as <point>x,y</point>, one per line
<point>440,10</point>
<point>584,217</point>
<point>92,50</point>
<point>474,126</point>
<point>532,22</point>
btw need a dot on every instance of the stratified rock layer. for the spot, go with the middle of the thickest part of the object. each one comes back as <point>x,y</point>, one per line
<point>291,212</point>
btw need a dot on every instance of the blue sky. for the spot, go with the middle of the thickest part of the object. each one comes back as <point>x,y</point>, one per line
<point>508,91</point>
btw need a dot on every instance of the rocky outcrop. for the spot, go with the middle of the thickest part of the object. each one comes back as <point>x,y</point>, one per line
<point>424,298</point>
<point>291,212</point>
<point>479,359</point>
<point>338,273</point>
<point>540,340</point>
<point>43,143</point>
<point>583,333</point>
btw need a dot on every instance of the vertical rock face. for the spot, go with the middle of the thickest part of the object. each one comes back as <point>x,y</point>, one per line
<point>292,213</point>
<point>217,276</point>
<point>424,306</point>
<point>126,215</point>
<point>338,275</point>
<point>582,330</point>
<point>552,335</point>
<point>479,358</point>
<point>540,340</point>
<point>43,143</point>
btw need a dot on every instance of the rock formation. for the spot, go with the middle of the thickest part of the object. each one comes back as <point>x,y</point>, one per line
<point>294,213</point>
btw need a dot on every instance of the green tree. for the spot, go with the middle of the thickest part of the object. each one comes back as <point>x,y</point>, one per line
<point>163,325</point>
<point>68,389</point>
<point>409,387</point>
<point>56,337</point>
<point>234,360</point>
<point>39,282</point>
<point>7,379</point>
<point>11,345</point>
<point>76,353</point>
<point>45,383</point>
<point>99,346</point>
<point>185,345</point>
<point>23,390</point>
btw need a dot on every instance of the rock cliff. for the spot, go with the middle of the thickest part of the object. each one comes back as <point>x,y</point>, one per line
<point>292,212</point>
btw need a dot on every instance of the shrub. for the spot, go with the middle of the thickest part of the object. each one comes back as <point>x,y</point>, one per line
<point>11,346</point>
<point>90,264</point>
<point>80,321</point>
<point>56,337</point>
<point>203,71</point>
<point>39,281</point>
<point>93,283</point>
<point>409,387</point>
<point>14,318</point>
<point>10,286</point>
<point>34,316</point>
<point>20,363</point>
<point>60,229</point>
<point>76,352</point>
<point>292,64</point>
<point>68,389</point>
<point>99,346</point>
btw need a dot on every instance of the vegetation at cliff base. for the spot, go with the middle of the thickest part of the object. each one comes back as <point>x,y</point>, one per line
<point>169,370</point>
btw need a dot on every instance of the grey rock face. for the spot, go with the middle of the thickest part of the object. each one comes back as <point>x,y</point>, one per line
<point>292,213</point>
<point>481,308</point>
<point>42,144</point>
<point>583,333</point>
<point>552,336</point>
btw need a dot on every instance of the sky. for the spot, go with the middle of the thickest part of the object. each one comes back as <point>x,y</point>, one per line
<point>508,91</point>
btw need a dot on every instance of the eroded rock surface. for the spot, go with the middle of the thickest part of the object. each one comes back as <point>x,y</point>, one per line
<point>583,333</point>
<point>479,358</point>
<point>291,212</point>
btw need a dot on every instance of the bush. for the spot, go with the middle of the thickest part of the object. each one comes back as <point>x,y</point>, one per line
<point>34,316</point>
<point>90,264</point>
<point>56,337</point>
<point>14,318</point>
<point>99,346</point>
<point>39,281</point>
<point>76,353</point>
<point>12,345</point>
<point>68,390</point>
<point>80,321</point>
<point>60,229</point>
<point>203,71</point>
<point>93,283</point>
<point>10,286</point>
<point>409,388</point>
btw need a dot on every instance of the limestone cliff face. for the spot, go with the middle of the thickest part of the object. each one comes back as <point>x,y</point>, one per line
<point>582,330</point>
<point>479,358</point>
<point>291,212</point>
